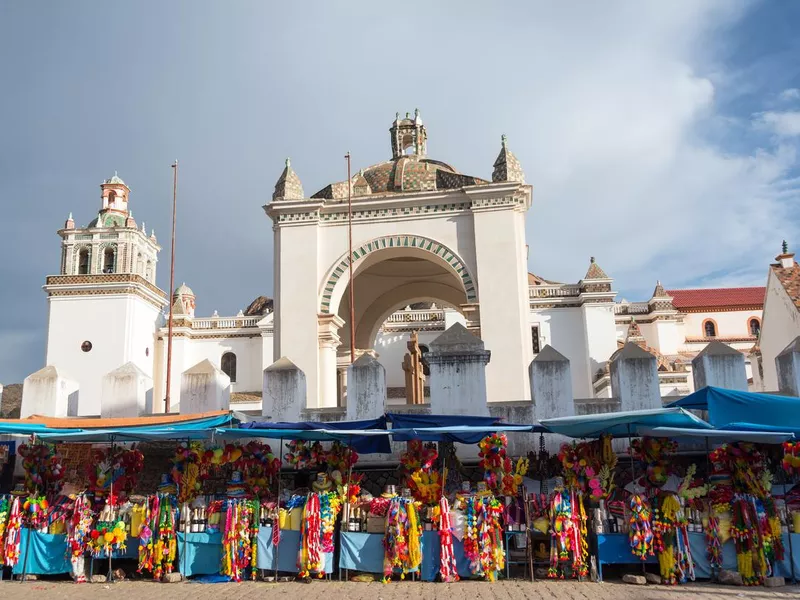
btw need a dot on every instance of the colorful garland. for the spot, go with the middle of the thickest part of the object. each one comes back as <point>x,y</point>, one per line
<point>44,472</point>
<point>5,509</point>
<point>654,453</point>
<point>402,541</point>
<point>499,472</point>
<point>80,524</point>
<point>13,533</point>
<point>640,532</point>
<point>447,563</point>
<point>120,470</point>
<point>158,545</point>
<point>341,457</point>
<point>107,538</point>
<point>791,458</point>
<point>301,455</point>
<point>240,540</point>
<point>311,559</point>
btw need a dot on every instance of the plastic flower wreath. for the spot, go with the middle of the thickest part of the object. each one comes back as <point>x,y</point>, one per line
<point>44,472</point>
<point>303,456</point>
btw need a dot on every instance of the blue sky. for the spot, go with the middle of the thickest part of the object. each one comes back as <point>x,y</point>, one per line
<point>661,138</point>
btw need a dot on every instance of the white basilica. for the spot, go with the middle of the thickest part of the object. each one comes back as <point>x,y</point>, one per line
<point>431,247</point>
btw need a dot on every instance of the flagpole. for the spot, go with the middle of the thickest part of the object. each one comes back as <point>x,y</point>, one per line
<point>350,250</point>
<point>171,285</point>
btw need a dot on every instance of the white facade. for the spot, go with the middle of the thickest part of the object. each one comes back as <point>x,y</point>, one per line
<point>424,235</point>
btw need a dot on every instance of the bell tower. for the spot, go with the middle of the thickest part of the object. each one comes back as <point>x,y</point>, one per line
<point>104,305</point>
<point>409,133</point>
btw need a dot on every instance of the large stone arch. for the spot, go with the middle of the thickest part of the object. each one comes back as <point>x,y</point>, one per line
<point>370,253</point>
<point>380,310</point>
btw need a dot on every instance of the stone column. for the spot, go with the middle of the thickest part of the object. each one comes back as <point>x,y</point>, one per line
<point>366,390</point>
<point>787,364</point>
<point>721,366</point>
<point>328,343</point>
<point>49,392</point>
<point>551,385</point>
<point>458,360</point>
<point>634,379</point>
<point>284,391</point>
<point>204,388</point>
<point>127,392</point>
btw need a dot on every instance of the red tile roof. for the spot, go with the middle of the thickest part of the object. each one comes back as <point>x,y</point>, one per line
<point>744,297</point>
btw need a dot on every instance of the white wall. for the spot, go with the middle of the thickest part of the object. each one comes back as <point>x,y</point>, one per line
<point>732,323</point>
<point>120,329</point>
<point>781,325</point>
<point>563,329</point>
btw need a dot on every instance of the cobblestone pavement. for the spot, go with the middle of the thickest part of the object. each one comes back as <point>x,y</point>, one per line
<point>334,590</point>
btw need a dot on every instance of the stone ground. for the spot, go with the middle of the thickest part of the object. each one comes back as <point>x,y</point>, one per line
<point>334,590</point>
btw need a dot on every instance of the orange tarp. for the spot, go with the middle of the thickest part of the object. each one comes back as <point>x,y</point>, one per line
<point>86,423</point>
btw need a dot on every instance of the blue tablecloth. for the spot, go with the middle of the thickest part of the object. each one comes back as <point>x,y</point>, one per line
<point>203,554</point>
<point>364,552</point>
<point>614,549</point>
<point>361,551</point>
<point>288,549</point>
<point>131,551</point>
<point>47,554</point>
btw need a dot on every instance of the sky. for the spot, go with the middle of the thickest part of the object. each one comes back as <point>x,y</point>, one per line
<point>660,137</point>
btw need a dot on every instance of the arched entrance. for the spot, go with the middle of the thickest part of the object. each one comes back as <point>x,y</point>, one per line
<point>421,231</point>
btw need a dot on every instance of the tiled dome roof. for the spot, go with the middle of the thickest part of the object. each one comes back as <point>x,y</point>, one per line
<point>109,219</point>
<point>401,175</point>
<point>183,290</point>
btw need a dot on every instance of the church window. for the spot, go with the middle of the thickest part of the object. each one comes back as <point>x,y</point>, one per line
<point>83,261</point>
<point>86,346</point>
<point>229,365</point>
<point>149,271</point>
<point>535,338</point>
<point>754,326</point>
<point>108,260</point>
<point>710,328</point>
<point>112,199</point>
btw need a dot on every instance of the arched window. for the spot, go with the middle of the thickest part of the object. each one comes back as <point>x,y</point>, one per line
<point>83,261</point>
<point>710,328</point>
<point>108,260</point>
<point>754,325</point>
<point>112,199</point>
<point>229,365</point>
<point>149,271</point>
<point>139,264</point>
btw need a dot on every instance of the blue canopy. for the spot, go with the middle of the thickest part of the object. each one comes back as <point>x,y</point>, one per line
<point>23,428</point>
<point>625,423</point>
<point>193,429</point>
<point>353,433</point>
<point>745,410</point>
<point>720,435</point>
<point>415,421</point>
<point>458,433</point>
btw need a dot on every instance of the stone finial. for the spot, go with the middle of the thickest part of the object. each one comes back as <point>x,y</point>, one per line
<point>719,365</point>
<point>634,378</point>
<point>457,362</point>
<point>366,388</point>
<point>288,186</point>
<point>204,387</point>
<point>127,392</point>
<point>284,391</point>
<point>506,166</point>
<point>70,222</point>
<point>49,392</point>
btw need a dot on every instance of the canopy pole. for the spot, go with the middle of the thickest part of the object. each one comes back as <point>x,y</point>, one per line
<point>110,577</point>
<point>185,528</point>
<point>278,504</point>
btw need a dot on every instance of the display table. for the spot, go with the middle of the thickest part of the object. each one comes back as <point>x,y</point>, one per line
<point>202,554</point>
<point>431,553</point>
<point>615,549</point>
<point>288,550</point>
<point>361,552</point>
<point>46,554</point>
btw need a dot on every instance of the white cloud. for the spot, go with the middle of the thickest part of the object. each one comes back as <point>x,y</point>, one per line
<point>789,95</point>
<point>786,123</point>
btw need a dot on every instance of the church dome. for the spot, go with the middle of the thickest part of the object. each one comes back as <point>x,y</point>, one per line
<point>405,174</point>
<point>183,290</point>
<point>115,179</point>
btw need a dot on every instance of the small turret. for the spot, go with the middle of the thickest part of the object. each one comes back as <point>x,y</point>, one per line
<point>288,186</point>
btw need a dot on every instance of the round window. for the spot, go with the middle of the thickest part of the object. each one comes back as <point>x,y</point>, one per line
<point>147,351</point>
<point>86,346</point>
